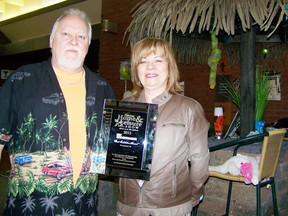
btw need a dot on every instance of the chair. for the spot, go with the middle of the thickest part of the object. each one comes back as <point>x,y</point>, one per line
<point>195,208</point>
<point>271,148</point>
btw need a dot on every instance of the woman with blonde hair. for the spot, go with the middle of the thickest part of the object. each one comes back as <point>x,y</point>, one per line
<point>179,166</point>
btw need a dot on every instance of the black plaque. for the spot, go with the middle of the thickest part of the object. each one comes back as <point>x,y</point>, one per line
<point>127,139</point>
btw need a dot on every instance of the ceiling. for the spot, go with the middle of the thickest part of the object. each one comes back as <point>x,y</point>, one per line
<point>32,32</point>
<point>15,8</point>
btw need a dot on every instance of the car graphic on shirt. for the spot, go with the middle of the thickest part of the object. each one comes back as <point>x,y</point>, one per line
<point>23,159</point>
<point>60,170</point>
<point>57,170</point>
<point>5,137</point>
<point>85,169</point>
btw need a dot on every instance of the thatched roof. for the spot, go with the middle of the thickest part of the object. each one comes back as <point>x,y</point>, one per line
<point>180,20</point>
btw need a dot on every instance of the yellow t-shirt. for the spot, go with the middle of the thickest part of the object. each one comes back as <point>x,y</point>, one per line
<point>73,88</point>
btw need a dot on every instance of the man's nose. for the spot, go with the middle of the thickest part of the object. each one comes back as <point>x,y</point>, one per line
<point>74,40</point>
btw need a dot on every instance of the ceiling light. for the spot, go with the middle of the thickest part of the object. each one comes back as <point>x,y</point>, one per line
<point>265,51</point>
<point>16,2</point>
<point>2,7</point>
<point>46,3</point>
<point>21,9</point>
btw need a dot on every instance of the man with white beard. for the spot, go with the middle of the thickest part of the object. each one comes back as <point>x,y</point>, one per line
<point>50,116</point>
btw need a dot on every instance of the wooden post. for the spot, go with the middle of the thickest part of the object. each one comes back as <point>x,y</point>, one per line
<point>247,81</point>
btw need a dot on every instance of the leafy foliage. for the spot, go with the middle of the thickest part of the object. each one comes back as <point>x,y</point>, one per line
<point>93,183</point>
<point>262,92</point>
<point>30,183</point>
<point>41,184</point>
<point>83,184</point>
<point>65,185</point>
<point>47,138</point>
<point>53,188</point>
<point>233,90</point>
<point>13,187</point>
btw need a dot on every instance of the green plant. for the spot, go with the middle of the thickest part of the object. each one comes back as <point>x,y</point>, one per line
<point>233,90</point>
<point>262,92</point>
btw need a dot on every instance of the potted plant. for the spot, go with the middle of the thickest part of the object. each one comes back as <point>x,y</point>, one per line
<point>262,92</point>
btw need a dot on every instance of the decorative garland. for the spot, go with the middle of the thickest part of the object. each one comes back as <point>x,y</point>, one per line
<point>214,59</point>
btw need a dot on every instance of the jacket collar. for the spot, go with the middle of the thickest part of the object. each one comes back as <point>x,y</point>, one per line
<point>160,99</point>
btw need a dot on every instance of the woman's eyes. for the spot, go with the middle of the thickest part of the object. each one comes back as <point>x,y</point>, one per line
<point>155,60</point>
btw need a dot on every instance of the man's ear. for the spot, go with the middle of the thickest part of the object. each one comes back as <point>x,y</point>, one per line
<point>51,42</point>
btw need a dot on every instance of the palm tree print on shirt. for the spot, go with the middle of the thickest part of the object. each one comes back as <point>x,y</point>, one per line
<point>45,144</point>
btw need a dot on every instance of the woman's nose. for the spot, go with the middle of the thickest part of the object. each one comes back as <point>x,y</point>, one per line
<point>150,65</point>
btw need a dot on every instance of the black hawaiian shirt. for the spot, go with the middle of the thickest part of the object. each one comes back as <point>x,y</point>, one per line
<point>34,125</point>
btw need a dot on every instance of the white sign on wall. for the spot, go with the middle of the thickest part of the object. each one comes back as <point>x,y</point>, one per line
<point>5,73</point>
<point>275,86</point>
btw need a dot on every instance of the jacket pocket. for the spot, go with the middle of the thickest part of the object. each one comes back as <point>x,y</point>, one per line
<point>172,133</point>
<point>174,124</point>
<point>174,182</point>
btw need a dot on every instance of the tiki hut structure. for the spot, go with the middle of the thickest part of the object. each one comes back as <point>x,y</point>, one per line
<point>188,25</point>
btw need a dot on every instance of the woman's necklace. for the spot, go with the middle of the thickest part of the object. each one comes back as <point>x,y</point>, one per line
<point>68,82</point>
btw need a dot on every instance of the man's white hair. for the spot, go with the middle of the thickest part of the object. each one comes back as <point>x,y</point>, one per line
<point>73,12</point>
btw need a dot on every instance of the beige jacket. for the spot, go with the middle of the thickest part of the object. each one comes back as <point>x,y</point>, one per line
<point>174,186</point>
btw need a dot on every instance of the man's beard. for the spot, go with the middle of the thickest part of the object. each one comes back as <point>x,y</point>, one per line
<point>70,63</point>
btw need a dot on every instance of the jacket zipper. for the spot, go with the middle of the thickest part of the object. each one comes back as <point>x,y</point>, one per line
<point>140,196</point>
<point>174,182</point>
<point>140,183</point>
